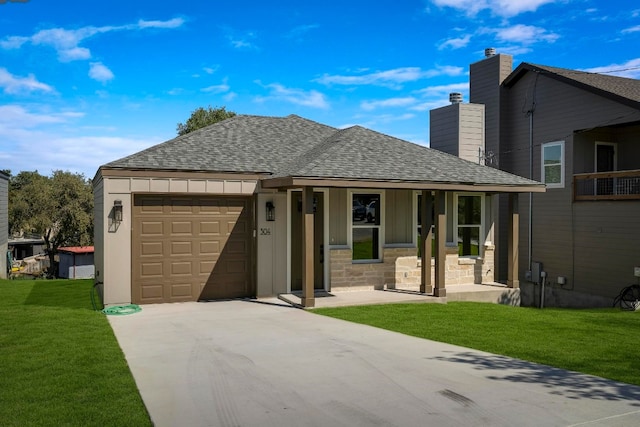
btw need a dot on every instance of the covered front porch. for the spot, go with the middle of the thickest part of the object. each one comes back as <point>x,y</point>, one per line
<point>435,242</point>
<point>495,293</point>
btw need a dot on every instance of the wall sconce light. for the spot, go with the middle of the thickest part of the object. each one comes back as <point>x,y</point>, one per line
<point>117,211</point>
<point>271,212</point>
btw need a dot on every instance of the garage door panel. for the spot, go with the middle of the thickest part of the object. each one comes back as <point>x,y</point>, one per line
<point>236,247</point>
<point>181,268</point>
<point>151,291</point>
<point>181,290</point>
<point>181,248</point>
<point>209,227</point>
<point>151,270</point>
<point>181,227</point>
<point>151,249</point>
<point>152,228</point>
<point>210,248</point>
<point>190,248</point>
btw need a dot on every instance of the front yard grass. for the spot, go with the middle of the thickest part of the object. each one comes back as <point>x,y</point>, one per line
<point>601,342</point>
<point>60,363</point>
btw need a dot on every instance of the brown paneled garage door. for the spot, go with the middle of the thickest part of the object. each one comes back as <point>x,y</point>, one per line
<point>187,248</point>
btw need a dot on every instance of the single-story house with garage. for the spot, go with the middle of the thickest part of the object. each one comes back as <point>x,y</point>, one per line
<point>260,206</point>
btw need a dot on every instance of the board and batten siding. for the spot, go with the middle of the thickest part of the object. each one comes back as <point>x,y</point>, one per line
<point>399,217</point>
<point>560,110</point>
<point>4,224</point>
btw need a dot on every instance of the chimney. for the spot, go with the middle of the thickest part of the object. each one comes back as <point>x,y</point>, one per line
<point>455,97</point>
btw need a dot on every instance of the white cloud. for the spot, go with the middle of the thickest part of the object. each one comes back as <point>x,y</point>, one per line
<point>18,117</point>
<point>12,84</point>
<point>525,34</point>
<point>100,72</point>
<point>455,43</point>
<point>389,78</point>
<point>629,69</point>
<point>66,42</point>
<point>13,42</point>
<point>632,29</point>
<point>221,88</point>
<point>243,41</point>
<point>438,90</point>
<point>278,92</point>
<point>505,8</point>
<point>388,103</point>
<point>171,23</point>
<point>298,31</point>
<point>211,70</point>
<point>53,145</point>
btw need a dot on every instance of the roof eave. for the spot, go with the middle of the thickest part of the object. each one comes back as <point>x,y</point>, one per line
<point>524,67</point>
<point>298,182</point>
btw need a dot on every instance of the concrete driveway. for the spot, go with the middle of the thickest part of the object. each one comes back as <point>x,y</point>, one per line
<point>244,363</point>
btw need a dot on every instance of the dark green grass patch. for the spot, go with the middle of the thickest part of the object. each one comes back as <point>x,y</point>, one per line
<point>602,342</point>
<point>60,363</point>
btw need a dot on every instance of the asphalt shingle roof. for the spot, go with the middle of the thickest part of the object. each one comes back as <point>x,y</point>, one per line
<point>621,89</point>
<point>296,147</point>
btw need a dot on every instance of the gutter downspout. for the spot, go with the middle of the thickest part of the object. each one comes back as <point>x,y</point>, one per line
<point>530,194</point>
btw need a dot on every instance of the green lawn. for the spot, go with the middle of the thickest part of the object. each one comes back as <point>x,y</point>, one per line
<point>602,342</point>
<point>60,364</point>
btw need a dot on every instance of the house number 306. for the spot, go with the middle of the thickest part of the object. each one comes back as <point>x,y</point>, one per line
<point>265,232</point>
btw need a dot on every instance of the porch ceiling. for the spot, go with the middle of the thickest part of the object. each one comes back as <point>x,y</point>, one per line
<point>298,182</point>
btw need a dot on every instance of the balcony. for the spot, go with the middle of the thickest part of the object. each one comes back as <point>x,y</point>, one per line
<point>620,185</point>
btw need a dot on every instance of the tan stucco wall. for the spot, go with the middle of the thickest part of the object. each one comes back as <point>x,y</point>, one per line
<point>116,245</point>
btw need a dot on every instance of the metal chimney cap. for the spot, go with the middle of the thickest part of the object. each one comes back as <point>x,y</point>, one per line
<point>489,52</point>
<point>455,97</point>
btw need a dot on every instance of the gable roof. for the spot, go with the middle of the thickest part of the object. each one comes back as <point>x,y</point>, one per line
<point>620,89</point>
<point>292,148</point>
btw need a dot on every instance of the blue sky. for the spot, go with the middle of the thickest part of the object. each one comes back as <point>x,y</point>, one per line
<point>83,83</point>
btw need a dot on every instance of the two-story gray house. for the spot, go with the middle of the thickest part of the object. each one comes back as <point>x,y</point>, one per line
<point>577,132</point>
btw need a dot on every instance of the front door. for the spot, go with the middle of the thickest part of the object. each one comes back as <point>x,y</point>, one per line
<point>605,162</point>
<point>296,241</point>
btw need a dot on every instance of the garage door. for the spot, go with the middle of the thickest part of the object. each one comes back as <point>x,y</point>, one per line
<point>191,248</point>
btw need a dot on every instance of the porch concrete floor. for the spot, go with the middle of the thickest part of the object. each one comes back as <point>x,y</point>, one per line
<point>493,292</point>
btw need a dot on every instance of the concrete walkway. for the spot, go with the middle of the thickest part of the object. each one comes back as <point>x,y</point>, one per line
<point>248,363</point>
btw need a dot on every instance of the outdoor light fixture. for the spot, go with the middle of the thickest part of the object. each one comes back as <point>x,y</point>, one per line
<point>271,212</point>
<point>117,211</point>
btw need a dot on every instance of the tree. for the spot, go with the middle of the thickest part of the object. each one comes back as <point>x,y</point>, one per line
<point>58,208</point>
<point>201,117</point>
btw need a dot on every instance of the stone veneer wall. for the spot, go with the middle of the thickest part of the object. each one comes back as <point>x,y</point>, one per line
<point>346,275</point>
<point>401,269</point>
<point>459,271</point>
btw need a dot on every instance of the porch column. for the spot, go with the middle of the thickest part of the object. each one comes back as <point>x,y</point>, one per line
<point>426,235</point>
<point>441,237</point>
<point>308,299</point>
<point>513,238</point>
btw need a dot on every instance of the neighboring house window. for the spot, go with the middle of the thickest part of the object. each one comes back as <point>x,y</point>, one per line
<point>365,226</point>
<point>553,164</point>
<point>469,224</point>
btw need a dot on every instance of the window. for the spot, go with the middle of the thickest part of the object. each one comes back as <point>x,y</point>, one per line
<point>553,164</point>
<point>469,224</point>
<point>365,230</point>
